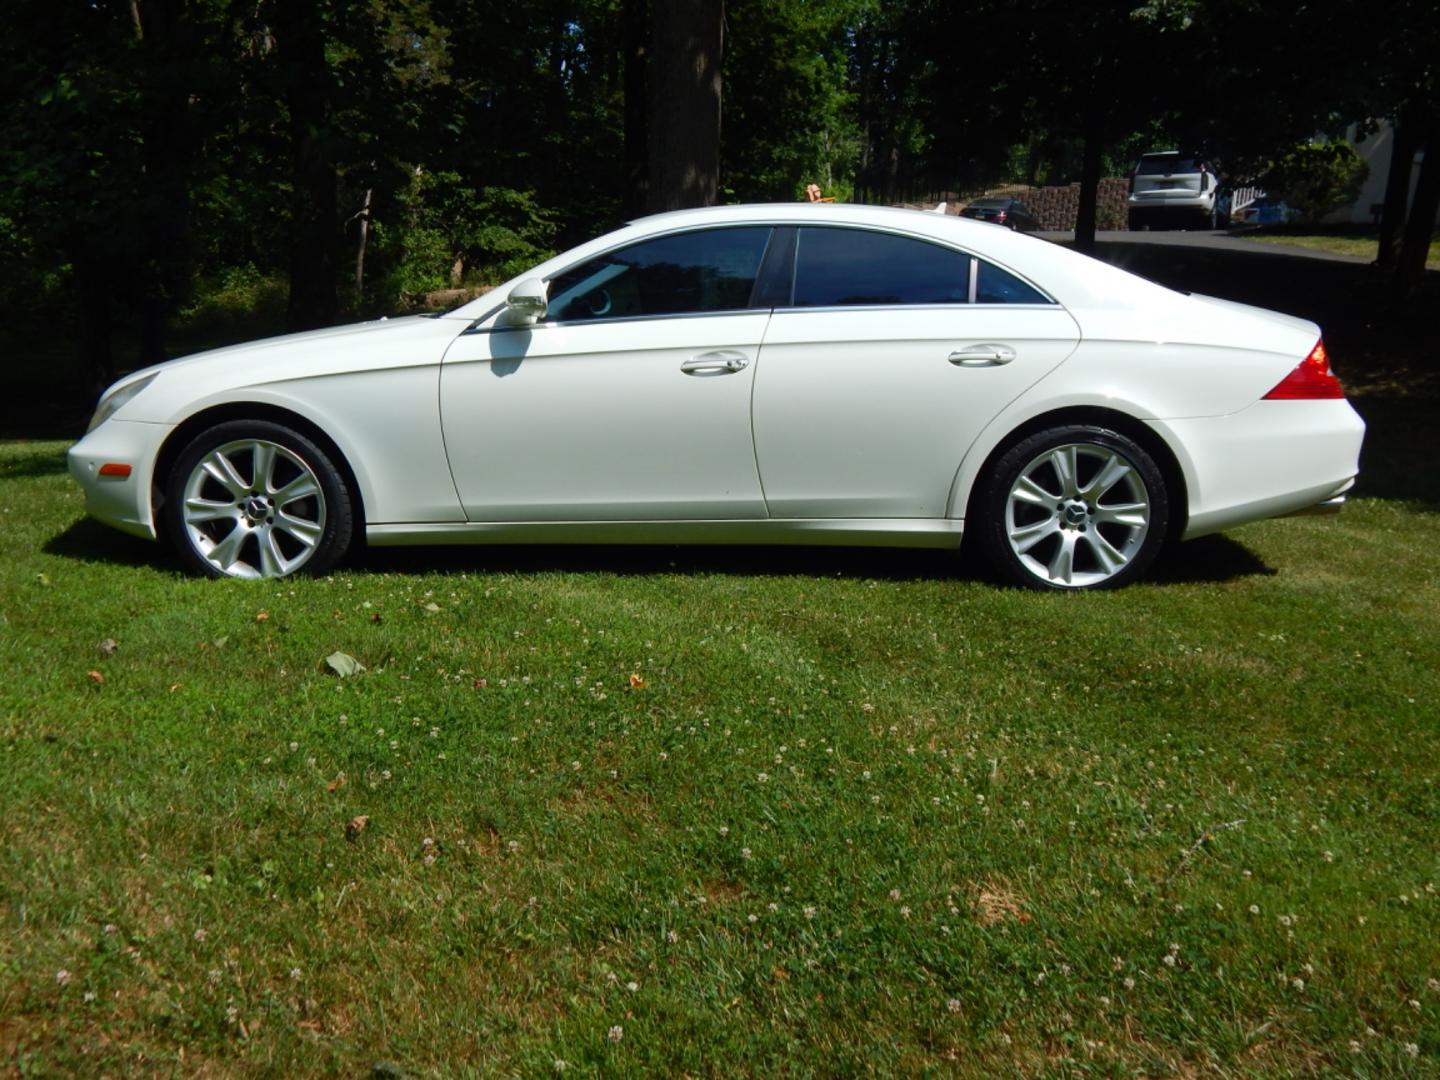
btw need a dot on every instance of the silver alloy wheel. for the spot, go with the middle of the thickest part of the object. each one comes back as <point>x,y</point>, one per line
<point>1077,514</point>
<point>254,509</point>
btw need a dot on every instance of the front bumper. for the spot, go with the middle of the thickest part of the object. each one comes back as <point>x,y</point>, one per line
<point>121,502</point>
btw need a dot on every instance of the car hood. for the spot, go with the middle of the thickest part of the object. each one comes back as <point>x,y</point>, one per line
<point>411,341</point>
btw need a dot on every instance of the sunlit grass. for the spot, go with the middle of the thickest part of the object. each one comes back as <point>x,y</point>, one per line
<point>1363,247</point>
<point>718,812</point>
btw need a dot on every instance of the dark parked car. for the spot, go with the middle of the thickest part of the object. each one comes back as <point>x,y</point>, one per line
<point>1011,213</point>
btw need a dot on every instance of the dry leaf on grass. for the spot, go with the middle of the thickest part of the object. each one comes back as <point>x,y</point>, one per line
<point>995,903</point>
<point>356,825</point>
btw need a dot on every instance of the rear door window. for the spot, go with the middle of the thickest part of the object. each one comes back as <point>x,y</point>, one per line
<point>848,267</point>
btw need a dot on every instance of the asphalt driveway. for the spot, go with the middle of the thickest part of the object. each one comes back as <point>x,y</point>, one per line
<point>1205,240</point>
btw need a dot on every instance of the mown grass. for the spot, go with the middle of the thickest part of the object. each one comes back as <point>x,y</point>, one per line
<point>1362,245</point>
<point>719,812</point>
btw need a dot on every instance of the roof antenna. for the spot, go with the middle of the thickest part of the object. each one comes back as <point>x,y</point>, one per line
<point>939,208</point>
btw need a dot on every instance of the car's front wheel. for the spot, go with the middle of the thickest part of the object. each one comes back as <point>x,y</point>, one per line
<point>1073,507</point>
<point>256,499</point>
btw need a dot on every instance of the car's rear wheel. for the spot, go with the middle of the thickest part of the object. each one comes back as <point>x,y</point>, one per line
<point>256,499</point>
<point>1074,507</point>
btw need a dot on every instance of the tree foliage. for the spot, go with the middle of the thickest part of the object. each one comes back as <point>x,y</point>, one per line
<point>1317,177</point>
<point>153,148</point>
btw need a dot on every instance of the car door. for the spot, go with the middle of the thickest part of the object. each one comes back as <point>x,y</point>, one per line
<point>628,401</point>
<point>892,355</point>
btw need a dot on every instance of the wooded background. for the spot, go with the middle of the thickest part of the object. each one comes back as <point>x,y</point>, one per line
<point>322,160</point>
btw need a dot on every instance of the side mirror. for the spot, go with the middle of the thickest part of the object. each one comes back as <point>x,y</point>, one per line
<point>527,301</point>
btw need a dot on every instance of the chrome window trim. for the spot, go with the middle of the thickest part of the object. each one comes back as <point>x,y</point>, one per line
<point>475,326</point>
<point>957,306</point>
<point>727,313</point>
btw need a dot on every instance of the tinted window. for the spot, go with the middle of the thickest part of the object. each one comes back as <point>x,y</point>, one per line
<point>996,286</point>
<point>836,267</point>
<point>713,270</point>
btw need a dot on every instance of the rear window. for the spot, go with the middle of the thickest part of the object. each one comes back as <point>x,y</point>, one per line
<point>1160,166</point>
<point>996,286</point>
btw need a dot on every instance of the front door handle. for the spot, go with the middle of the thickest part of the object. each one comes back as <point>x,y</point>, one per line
<point>982,355</point>
<point>722,362</point>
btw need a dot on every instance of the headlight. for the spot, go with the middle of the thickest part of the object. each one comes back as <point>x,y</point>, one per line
<point>111,402</point>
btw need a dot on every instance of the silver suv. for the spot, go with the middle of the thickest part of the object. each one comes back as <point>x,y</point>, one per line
<point>1171,188</point>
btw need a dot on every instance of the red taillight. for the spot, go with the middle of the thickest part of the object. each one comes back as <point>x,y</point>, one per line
<point>1001,216</point>
<point>1312,378</point>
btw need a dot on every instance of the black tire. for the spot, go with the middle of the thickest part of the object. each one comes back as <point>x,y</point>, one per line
<point>1111,540</point>
<point>227,521</point>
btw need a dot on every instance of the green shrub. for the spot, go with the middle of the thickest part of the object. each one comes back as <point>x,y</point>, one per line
<point>490,233</point>
<point>235,299</point>
<point>1317,177</point>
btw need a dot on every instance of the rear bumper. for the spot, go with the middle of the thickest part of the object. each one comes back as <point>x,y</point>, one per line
<point>1273,459</point>
<point>1191,200</point>
<point>1324,508</point>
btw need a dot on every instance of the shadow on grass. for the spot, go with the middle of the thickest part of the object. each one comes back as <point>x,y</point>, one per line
<point>1398,459</point>
<point>1211,559</point>
<point>86,540</point>
<point>23,463</point>
<point>630,560</point>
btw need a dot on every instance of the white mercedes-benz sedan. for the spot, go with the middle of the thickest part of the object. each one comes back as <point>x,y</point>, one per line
<point>822,374</point>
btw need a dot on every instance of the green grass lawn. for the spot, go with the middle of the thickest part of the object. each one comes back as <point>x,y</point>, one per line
<point>1362,246</point>
<point>719,812</point>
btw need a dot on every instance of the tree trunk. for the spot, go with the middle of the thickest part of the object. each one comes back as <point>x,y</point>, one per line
<point>364,217</point>
<point>167,47</point>
<point>92,294</point>
<point>1089,185</point>
<point>300,30</point>
<point>1420,223</point>
<point>1397,187</point>
<point>636,36</point>
<point>685,104</point>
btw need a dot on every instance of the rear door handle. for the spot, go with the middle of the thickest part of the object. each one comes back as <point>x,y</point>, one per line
<point>721,362</point>
<point>982,355</point>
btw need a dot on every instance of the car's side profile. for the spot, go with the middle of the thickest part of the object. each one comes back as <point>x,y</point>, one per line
<point>753,374</point>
